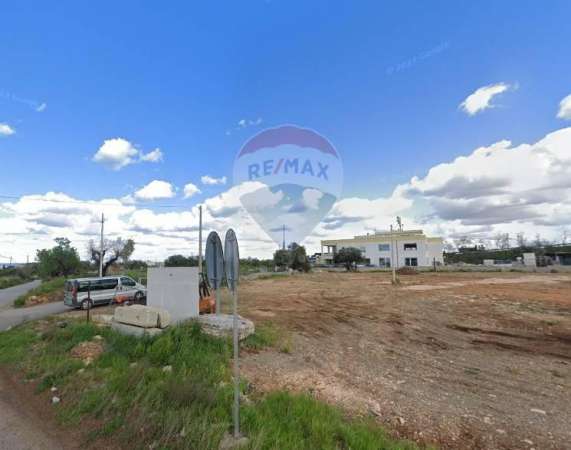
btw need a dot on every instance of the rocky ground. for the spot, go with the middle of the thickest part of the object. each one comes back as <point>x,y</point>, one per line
<point>462,360</point>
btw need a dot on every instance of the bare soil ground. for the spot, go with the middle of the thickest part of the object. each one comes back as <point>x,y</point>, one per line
<point>461,360</point>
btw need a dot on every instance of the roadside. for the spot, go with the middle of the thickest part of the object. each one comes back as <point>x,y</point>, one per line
<point>12,317</point>
<point>175,389</point>
<point>24,426</point>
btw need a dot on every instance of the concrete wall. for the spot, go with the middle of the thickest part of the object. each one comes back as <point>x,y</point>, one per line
<point>175,289</point>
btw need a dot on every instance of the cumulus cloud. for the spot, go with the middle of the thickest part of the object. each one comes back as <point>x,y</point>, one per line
<point>154,157</point>
<point>190,190</point>
<point>208,180</point>
<point>498,188</point>
<point>156,189</point>
<point>118,153</point>
<point>481,98</point>
<point>565,108</point>
<point>6,130</point>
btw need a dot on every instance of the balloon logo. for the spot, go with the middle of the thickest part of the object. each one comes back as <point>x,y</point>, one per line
<point>290,177</point>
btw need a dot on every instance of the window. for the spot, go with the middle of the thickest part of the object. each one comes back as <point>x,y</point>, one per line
<point>384,247</point>
<point>127,282</point>
<point>411,262</point>
<point>384,262</point>
<point>410,246</point>
<point>111,283</point>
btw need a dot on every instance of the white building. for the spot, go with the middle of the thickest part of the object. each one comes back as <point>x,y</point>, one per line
<point>381,249</point>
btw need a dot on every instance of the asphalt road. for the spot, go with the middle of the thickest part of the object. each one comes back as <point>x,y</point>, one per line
<point>10,317</point>
<point>8,295</point>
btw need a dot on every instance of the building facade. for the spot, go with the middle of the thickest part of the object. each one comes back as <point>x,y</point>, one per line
<point>383,249</point>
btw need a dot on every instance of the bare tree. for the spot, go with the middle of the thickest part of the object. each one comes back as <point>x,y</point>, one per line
<point>521,240</point>
<point>565,235</point>
<point>114,250</point>
<point>502,240</point>
<point>538,242</point>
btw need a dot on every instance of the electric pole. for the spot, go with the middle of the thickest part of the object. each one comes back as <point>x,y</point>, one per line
<point>200,239</point>
<point>101,247</point>
<point>283,243</point>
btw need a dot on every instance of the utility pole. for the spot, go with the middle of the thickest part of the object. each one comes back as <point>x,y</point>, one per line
<point>101,247</point>
<point>200,239</point>
<point>283,243</point>
<point>392,258</point>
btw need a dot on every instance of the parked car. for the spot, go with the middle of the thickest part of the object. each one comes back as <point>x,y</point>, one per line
<point>79,292</point>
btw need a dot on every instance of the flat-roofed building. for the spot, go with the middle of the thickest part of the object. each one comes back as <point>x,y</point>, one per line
<point>382,249</point>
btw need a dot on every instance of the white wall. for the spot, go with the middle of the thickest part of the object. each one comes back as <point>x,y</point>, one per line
<point>175,289</point>
<point>425,252</point>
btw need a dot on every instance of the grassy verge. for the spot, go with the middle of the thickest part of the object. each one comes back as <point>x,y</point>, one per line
<point>51,290</point>
<point>173,391</point>
<point>13,277</point>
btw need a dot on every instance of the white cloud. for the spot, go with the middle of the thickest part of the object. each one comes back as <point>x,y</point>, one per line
<point>311,198</point>
<point>497,188</point>
<point>565,108</point>
<point>155,156</point>
<point>245,123</point>
<point>6,130</point>
<point>481,98</point>
<point>190,189</point>
<point>208,180</point>
<point>156,189</point>
<point>41,107</point>
<point>118,153</point>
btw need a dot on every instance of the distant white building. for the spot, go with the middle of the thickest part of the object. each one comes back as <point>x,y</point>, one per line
<point>406,248</point>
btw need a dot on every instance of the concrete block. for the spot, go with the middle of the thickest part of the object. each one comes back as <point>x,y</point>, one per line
<point>164,316</point>
<point>174,289</point>
<point>133,330</point>
<point>222,325</point>
<point>138,315</point>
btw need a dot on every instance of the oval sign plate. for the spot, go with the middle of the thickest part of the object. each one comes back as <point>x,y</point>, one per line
<point>214,260</point>
<point>231,259</point>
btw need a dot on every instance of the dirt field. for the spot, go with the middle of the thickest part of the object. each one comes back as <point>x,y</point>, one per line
<point>467,360</point>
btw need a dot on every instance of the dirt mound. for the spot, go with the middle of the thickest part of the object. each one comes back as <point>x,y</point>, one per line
<point>87,351</point>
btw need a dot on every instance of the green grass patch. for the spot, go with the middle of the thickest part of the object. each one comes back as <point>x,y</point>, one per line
<point>130,394</point>
<point>49,287</point>
<point>269,335</point>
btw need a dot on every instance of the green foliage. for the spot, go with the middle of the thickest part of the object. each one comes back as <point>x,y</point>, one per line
<point>46,288</point>
<point>181,261</point>
<point>14,276</point>
<point>281,259</point>
<point>126,394</point>
<point>349,256</point>
<point>294,257</point>
<point>61,260</point>
<point>251,265</point>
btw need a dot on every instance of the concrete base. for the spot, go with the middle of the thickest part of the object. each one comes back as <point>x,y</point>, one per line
<point>143,316</point>
<point>229,442</point>
<point>222,325</point>
<point>133,330</point>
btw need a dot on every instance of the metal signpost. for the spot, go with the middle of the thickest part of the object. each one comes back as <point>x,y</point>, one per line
<point>232,266</point>
<point>214,265</point>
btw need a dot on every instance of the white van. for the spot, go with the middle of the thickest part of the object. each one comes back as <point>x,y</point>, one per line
<point>104,290</point>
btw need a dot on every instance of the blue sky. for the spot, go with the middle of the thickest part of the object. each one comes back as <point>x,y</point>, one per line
<point>382,80</point>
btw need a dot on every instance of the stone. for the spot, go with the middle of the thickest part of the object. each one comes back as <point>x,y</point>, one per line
<point>164,316</point>
<point>53,389</point>
<point>133,330</point>
<point>221,325</point>
<point>229,441</point>
<point>104,319</point>
<point>538,411</point>
<point>167,369</point>
<point>55,400</point>
<point>138,315</point>
<point>61,324</point>
<point>97,337</point>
